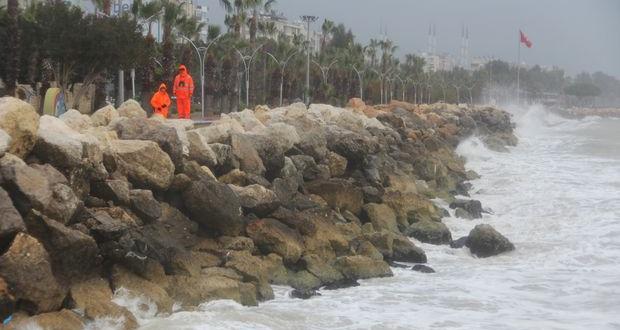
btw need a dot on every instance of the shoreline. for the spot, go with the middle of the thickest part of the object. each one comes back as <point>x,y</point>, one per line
<point>303,197</point>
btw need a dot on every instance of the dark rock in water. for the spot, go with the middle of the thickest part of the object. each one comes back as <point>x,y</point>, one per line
<point>405,251</point>
<point>215,206</point>
<point>343,284</point>
<point>144,205</point>
<point>463,188</point>
<point>362,267</point>
<point>484,241</point>
<point>423,269</point>
<point>433,232</point>
<point>459,243</point>
<point>111,190</point>
<point>463,214</point>
<point>397,265</point>
<point>473,207</point>
<point>304,294</point>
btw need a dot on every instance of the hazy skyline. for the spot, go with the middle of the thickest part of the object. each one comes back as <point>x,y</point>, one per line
<point>574,35</point>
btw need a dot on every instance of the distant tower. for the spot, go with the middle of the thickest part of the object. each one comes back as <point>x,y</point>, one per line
<point>464,54</point>
<point>432,39</point>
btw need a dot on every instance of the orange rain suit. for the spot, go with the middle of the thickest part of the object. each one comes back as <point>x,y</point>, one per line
<point>161,101</point>
<point>183,89</point>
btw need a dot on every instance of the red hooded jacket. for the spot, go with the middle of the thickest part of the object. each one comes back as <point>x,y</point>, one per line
<point>183,84</point>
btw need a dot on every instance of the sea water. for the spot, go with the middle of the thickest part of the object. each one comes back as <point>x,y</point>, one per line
<point>556,196</point>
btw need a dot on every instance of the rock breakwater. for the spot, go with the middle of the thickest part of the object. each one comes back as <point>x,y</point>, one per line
<point>306,197</point>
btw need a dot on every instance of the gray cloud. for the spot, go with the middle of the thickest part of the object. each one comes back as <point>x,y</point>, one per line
<point>577,35</point>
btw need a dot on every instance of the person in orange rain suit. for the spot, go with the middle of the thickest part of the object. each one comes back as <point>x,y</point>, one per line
<point>161,101</point>
<point>183,89</point>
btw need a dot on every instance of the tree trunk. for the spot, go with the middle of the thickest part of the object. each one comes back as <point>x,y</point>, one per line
<point>12,64</point>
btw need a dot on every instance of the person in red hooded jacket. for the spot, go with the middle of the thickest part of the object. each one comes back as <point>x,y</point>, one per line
<point>183,89</point>
<point>161,101</point>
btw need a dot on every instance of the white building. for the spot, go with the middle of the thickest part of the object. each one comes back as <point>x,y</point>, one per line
<point>284,27</point>
<point>201,12</point>
<point>438,62</point>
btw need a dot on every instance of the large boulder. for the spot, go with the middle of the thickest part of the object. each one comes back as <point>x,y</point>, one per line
<point>26,267</point>
<point>62,146</point>
<point>104,116</point>
<point>195,290</point>
<point>271,235</point>
<point>433,232</point>
<point>214,205</point>
<point>94,298</point>
<point>472,207</point>
<point>116,191</point>
<point>131,109</point>
<point>144,163</point>
<point>144,205</point>
<point>362,267</point>
<point>249,159</point>
<point>405,251</point>
<point>382,217</point>
<point>322,270</point>
<point>76,120</point>
<point>5,142</point>
<point>74,255</point>
<point>11,222</point>
<point>337,164</point>
<point>62,320</point>
<point>200,151</point>
<point>257,199</point>
<point>149,130</point>
<point>220,131</point>
<point>30,189</point>
<point>484,241</point>
<point>20,121</point>
<point>338,193</point>
<point>141,287</point>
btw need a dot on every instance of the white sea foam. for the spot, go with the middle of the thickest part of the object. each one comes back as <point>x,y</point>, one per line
<point>552,195</point>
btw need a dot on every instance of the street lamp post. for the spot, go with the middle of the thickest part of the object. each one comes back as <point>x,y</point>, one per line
<point>325,69</point>
<point>404,92</point>
<point>202,58</point>
<point>282,65</point>
<point>308,19</point>
<point>458,93</point>
<point>247,64</point>
<point>360,76</point>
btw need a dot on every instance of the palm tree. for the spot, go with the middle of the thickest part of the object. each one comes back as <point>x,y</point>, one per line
<point>104,6</point>
<point>146,11</point>
<point>255,5</point>
<point>171,19</point>
<point>371,51</point>
<point>12,64</point>
<point>327,28</point>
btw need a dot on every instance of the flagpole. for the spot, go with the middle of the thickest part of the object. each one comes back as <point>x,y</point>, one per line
<point>519,70</point>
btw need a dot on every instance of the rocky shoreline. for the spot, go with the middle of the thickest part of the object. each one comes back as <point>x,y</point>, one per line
<point>312,198</point>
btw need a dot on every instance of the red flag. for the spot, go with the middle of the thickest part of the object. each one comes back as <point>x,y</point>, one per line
<point>525,40</point>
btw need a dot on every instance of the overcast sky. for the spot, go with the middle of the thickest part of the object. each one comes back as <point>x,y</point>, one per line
<point>577,35</point>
